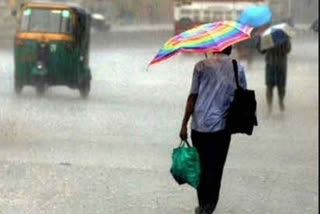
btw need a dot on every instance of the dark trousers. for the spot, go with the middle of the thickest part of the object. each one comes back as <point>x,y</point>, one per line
<point>213,149</point>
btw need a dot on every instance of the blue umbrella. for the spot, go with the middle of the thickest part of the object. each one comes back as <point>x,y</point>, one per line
<point>255,15</point>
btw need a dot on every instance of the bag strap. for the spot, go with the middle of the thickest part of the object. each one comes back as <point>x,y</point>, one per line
<point>235,69</point>
<point>184,142</point>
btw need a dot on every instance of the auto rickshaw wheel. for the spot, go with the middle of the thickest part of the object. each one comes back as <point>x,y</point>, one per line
<point>84,88</point>
<point>17,86</point>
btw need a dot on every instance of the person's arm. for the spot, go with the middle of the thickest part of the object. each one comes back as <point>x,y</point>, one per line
<point>288,47</point>
<point>188,112</point>
<point>190,102</point>
<point>258,43</point>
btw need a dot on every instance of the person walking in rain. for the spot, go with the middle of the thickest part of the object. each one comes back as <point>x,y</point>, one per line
<point>276,71</point>
<point>212,90</point>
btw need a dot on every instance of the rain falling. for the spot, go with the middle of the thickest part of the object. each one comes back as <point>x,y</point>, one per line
<point>88,123</point>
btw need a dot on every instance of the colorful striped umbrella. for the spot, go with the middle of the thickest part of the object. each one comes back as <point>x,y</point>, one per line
<point>211,37</point>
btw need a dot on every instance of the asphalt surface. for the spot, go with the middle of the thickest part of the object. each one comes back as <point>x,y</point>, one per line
<point>111,153</point>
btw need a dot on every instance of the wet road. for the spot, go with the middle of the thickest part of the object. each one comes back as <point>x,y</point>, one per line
<point>111,153</point>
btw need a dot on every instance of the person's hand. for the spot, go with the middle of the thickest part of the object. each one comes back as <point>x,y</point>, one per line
<point>183,133</point>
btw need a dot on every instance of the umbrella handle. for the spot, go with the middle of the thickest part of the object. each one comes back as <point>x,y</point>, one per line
<point>206,55</point>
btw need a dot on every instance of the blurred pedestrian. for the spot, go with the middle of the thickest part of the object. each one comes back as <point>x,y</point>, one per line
<point>212,91</point>
<point>245,52</point>
<point>276,71</point>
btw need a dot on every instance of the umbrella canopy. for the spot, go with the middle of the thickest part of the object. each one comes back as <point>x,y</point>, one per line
<point>276,35</point>
<point>255,15</point>
<point>211,37</point>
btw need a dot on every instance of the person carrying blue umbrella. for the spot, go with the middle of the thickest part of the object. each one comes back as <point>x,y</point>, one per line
<point>276,45</point>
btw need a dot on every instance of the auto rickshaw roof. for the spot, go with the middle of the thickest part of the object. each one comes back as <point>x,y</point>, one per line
<point>56,5</point>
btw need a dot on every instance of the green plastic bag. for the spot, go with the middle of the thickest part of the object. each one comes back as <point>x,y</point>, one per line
<point>186,165</point>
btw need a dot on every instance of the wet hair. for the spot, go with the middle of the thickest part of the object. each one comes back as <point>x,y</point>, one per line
<point>227,50</point>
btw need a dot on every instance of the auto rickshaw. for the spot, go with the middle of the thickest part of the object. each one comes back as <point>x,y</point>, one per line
<point>52,47</point>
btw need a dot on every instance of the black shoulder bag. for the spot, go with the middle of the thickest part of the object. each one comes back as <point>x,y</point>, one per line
<point>241,117</point>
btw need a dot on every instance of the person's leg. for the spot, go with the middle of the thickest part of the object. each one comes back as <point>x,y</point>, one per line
<point>281,93</point>
<point>213,151</point>
<point>281,83</point>
<point>250,60</point>
<point>270,82</point>
<point>217,161</point>
<point>198,141</point>
<point>269,96</point>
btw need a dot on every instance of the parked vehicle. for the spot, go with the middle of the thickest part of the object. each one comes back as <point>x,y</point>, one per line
<point>190,13</point>
<point>103,14</point>
<point>99,22</point>
<point>52,47</point>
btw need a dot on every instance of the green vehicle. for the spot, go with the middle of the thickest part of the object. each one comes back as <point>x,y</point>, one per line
<point>52,47</point>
